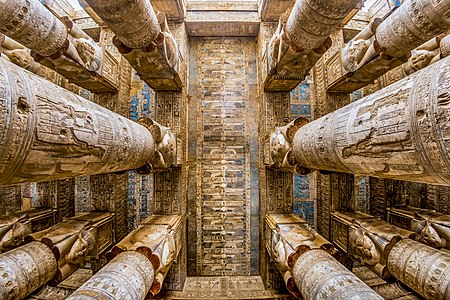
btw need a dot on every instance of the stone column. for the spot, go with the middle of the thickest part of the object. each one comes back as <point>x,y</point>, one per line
<point>34,26</point>
<point>400,132</point>
<point>301,39</point>
<point>311,22</point>
<point>304,259</point>
<point>25,269</point>
<point>412,24</point>
<point>140,262</point>
<point>144,39</point>
<point>422,268</point>
<point>319,276</point>
<point>49,133</point>
<point>128,276</point>
<point>135,25</point>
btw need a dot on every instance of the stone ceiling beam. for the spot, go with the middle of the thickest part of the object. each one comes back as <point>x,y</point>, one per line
<point>400,132</point>
<point>222,18</point>
<point>49,133</point>
<point>386,44</point>
<point>301,39</point>
<point>144,39</point>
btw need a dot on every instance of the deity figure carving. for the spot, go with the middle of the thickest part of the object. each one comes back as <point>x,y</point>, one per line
<point>281,149</point>
<point>427,53</point>
<point>290,237</point>
<point>158,239</point>
<point>73,242</point>
<point>165,141</point>
<point>285,60</point>
<point>13,231</point>
<point>361,49</point>
<point>432,228</point>
<point>371,240</point>
<point>14,227</point>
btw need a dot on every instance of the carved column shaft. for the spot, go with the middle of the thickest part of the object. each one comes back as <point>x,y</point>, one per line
<point>34,26</point>
<point>135,24</point>
<point>412,24</point>
<point>25,269</point>
<point>49,133</point>
<point>424,269</point>
<point>319,276</point>
<point>128,276</point>
<point>311,21</point>
<point>400,132</point>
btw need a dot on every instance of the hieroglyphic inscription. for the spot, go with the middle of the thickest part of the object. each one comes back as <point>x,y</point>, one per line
<point>223,204</point>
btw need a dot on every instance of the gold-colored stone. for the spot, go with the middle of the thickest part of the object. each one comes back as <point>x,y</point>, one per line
<point>15,226</point>
<point>301,39</point>
<point>128,276</point>
<point>422,268</point>
<point>24,269</point>
<point>76,241</point>
<point>144,39</point>
<point>319,276</point>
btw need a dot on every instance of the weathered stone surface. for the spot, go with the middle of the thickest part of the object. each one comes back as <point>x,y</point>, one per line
<point>128,276</point>
<point>76,241</point>
<point>159,239</point>
<point>399,132</point>
<point>287,238</point>
<point>301,40</point>
<point>431,228</point>
<point>422,268</point>
<point>25,269</point>
<point>64,134</point>
<point>384,45</point>
<point>144,39</point>
<point>175,10</point>
<point>15,226</point>
<point>319,276</point>
<point>57,44</point>
<point>367,239</point>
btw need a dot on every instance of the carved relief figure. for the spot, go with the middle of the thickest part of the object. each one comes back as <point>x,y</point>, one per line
<point>360,49</point>
<point>371,240</point>
<point>12,231</point>
<point>432,228</point>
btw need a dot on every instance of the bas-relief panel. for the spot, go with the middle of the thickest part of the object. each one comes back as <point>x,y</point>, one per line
<point>226,74</point>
